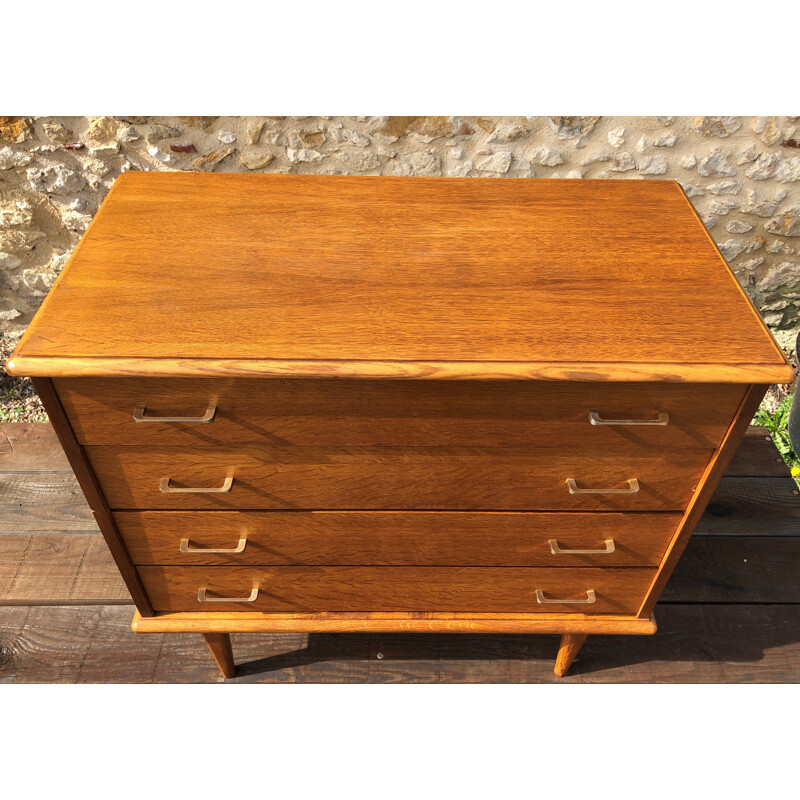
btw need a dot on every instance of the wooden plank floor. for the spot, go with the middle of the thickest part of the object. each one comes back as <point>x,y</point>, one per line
<point>731,613</point>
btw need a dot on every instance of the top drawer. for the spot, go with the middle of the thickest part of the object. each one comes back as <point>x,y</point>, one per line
<point>394,412</point>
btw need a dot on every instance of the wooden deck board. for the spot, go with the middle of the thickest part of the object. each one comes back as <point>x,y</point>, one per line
<point>48,500</point>
<point>731,613</point>
<point>740,506</point>
<point>695,644</point>
<point>757,456</point>
<point>58,567</point>
<point>737,569</point>
<point>70,568</point>
<point>752,507</point>
<point>43,501</point>
<point>31,447</point>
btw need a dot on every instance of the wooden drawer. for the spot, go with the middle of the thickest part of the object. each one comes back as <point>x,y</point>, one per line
<point>398,413</point>
<point>434,478</point>
<point>476,589</point>
<point>434,538</point>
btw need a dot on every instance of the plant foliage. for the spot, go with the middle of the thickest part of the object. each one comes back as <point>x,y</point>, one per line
<point>777,424</point>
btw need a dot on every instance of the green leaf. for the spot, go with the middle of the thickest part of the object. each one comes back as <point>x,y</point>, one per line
<point>777,421</point>
<point>763,419</point>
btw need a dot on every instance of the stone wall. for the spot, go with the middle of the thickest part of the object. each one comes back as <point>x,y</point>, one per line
<point>741,173</point>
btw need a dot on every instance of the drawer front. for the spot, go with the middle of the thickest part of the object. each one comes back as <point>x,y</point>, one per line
<point>394,413</point>
<point>310,478</point>
<point>467,589</point>
<point>363,538</point>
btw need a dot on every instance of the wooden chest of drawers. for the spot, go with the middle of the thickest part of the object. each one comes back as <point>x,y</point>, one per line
<point>304,403</point>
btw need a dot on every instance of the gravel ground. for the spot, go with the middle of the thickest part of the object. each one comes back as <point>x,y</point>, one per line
<point>18,399</point>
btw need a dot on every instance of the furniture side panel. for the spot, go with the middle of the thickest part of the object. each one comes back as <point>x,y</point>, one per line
<point>93,493</point>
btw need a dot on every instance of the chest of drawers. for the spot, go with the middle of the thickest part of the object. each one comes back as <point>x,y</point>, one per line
<point>306,404</point>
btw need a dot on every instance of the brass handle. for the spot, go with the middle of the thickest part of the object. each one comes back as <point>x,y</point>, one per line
<point>139,416</point>
<point>184,548</point>
<point>560,551</point>
<point>542,601</point>
<point>633,487</point>
<point>164,486</point>
<point>596,419</point>
<point>202,598</point>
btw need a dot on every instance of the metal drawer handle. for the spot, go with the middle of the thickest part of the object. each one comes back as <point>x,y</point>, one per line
<point>559,551</point>
<point>202,598</point>
<point>164,486</point>
<point>590,598</point>
<point>184,548</point>
<point>596,419</point>
<point>633,487</point>
<point>139,416</point>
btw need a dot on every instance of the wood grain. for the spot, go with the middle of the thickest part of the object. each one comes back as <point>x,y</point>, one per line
<point>394,538</point>
<point>43,501</point>
<point>739,506</point>
<point>757,456</point>
<point>395,413</point>
<point>58,568</point>
<point>87,480</point>
<point>220,646</point>
<point>752,506</point>
<point>67,568</point>
<point>703,493</point>
<point>30,447</point>
<point>387,271</point>
<point>696,644</point>
<point>87,367</point>
<point>413,589</point>
<point>571,643</point>
<point>427,622</point>
<point>397,478</point>
<point>737,569</point>
<point>445,280</point>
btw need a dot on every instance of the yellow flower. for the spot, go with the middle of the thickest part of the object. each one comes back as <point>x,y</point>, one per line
<point>795,471</point>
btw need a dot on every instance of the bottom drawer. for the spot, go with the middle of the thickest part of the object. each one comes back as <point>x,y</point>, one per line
<point>588,590</point>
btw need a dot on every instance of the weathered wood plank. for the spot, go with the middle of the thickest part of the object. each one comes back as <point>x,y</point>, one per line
<point>740,506</point>
<point>12,622</point>
<point>77,568</point>
<point>43,501</point>
<point>737,569</point>
<point>41,644</point>
<point>31,447</point>
<point>34,447</point>
<point>95,644</point>
<point>58,567</point>
<point>757,456</point>
<point>695,644</point>
<point>753,507</point>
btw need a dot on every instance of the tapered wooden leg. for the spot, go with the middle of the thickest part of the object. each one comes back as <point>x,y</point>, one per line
<point>571,643</point>
<point>220,646</point>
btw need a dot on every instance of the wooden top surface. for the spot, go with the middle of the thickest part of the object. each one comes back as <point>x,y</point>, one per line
<point>193,274</point>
